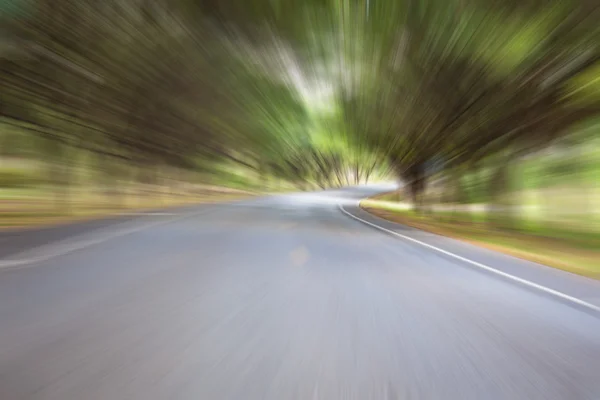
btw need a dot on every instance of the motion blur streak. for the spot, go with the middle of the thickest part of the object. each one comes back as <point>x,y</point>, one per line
<point>137,262</point>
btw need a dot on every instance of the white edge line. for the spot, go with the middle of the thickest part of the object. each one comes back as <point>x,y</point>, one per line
<point>14,264</point>
<point>522,281</point>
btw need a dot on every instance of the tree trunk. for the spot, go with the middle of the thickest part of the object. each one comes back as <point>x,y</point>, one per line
<point>501,215</point>
<point>416,186</point>
<point>457,197</point>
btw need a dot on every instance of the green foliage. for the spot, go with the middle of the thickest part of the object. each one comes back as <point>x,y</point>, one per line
<point>585,88</point>
<point>20,178</point>
<point>304,91</point>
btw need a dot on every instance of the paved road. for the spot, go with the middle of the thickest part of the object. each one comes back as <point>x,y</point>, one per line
<point>280,298</point>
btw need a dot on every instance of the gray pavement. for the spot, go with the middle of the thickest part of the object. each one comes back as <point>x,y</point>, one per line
<point>280,298</point>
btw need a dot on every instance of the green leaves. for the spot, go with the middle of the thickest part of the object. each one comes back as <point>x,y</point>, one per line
<point>312,88</point>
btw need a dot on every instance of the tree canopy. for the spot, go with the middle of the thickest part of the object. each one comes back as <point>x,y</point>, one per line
<point>306,91</point>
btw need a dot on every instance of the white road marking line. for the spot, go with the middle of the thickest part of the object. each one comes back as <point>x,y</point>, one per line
<point>522,281</point>
<point>55,249</point>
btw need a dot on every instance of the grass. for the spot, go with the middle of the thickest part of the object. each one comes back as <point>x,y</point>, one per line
<point>573,251</point>
<point>37,207</point>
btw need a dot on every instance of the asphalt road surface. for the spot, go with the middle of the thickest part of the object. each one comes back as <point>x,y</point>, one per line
<point>281,298</point>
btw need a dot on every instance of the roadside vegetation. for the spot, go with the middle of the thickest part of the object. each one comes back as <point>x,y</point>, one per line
<point>551,214</point>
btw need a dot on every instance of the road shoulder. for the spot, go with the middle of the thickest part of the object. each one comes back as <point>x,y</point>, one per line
<point>578,290</point>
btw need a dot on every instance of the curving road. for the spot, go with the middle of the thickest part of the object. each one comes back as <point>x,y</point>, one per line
<point>278,298</point>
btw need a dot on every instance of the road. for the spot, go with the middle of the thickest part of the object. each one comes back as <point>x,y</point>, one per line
<point>282,297</point>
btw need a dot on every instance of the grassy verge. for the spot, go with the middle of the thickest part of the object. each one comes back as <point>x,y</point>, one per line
<point>37,208</point>
<point>575,252</point>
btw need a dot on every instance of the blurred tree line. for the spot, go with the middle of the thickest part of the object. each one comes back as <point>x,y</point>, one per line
<point>313,92</point>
